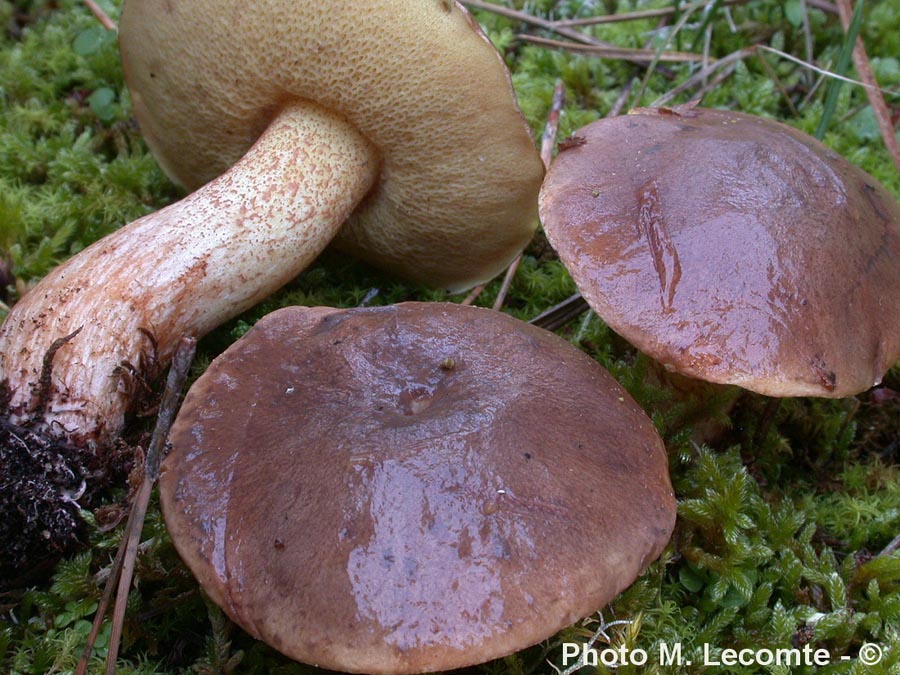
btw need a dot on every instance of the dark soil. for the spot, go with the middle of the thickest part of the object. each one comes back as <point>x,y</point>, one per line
<point>44,483</point>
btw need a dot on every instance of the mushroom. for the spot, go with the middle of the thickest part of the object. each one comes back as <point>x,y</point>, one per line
<point>411,488</point>
<point>408,135</point>
<point>731,248</point>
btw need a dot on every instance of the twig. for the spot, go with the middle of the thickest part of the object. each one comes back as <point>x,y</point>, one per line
<point>102,17</point>
<point>585,324</point>
<point>370,295</point>
<point>532,20</point>
<point>808,42</point>
<point>100,614</point>
<point>178,372</point>
<point>707,42</point>
<point>548,141</point>
<point>473,295</point>
<point>778,83</point>
<point>643,56</point>
<point>864,68</point>
<point>551,128</point>
<point>180,365</point>
<point>675,34</point>
<point>123,565</point>
<point>700,76</point>
<point>714,83</point>
<point>507,282</point>
<point>126,572</point>
<point>823,5</point>
<point>619,105</point>
<point>637,16</point>
<point>45,382</point>
<point>891,547</point>
<point>824,71</point>
<point>561,314</point>
<point>548,25</point>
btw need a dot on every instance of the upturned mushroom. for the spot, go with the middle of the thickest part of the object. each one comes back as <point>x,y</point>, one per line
<point>411,488</point>
<point>731,248</point>
<point>404,142</point>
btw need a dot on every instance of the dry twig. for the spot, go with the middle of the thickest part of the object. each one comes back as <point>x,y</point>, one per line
<point>700,76</point>
<point>548,141</point>
<point>507,282</point>
<point>551,128</point>
<point>891,547</point>
<point>547,25</point>
<point>664,12</point>
<point>864,68</point>
<point>643,56</point>
<point>473,295</point>
<point>181,364</point>
<point>123,566</point>
<point>102,16</point>
<point>532,20</point>
<point>561,314</point>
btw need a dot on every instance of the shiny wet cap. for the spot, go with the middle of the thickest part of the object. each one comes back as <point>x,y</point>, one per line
<point>411,488</point>
<point>731,248</point>
<point>456,197</point>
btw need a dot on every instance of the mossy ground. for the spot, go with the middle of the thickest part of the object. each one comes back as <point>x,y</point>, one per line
<point>777,545</point>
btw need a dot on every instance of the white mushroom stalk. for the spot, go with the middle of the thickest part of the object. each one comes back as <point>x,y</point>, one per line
<point>180,271</point>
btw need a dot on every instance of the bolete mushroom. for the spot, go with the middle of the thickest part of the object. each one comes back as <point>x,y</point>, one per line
<point>407,134</point>
<point>411,488</point>
<point>731,248</point>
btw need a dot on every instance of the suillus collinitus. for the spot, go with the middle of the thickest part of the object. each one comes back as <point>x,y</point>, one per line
<point>731,248</point>
<point>411,488</point>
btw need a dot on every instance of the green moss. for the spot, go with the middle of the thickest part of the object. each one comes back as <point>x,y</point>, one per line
<point>779,530</point>
<point>67,175</point>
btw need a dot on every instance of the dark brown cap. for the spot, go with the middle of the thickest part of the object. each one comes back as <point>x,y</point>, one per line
<point>731,248</point>
<point>411,488</point>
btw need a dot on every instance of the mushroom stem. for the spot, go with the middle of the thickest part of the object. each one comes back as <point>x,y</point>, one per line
<point>180,271</point>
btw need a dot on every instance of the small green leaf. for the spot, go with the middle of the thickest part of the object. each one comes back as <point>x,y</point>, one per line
<point>102,102</point>
<point>82,627</point>
<point>690,579</point>
<point>64,619</point>
<point>864,125</point>
<point>793,12</point>
<point>887,68</point>
<point>90,40</point>
<point>733,598</point>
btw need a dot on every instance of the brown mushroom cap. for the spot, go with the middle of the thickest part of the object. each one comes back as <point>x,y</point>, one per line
<point>411,488</point>
<point>731,248</point>
<point>456,197</point>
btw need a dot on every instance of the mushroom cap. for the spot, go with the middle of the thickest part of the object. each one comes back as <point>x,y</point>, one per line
<point>411,488</point>
<point>457,195</point>
<point>731,248</point>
